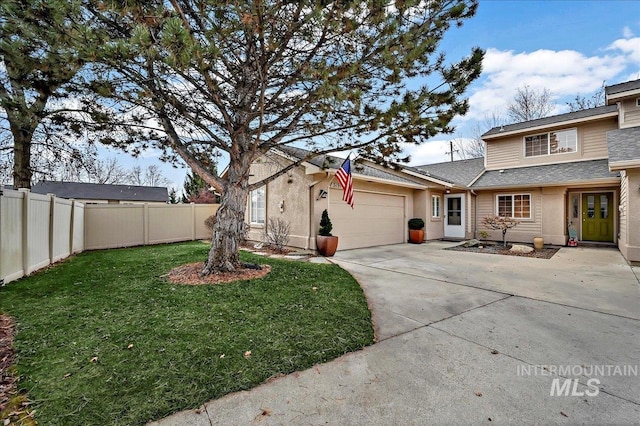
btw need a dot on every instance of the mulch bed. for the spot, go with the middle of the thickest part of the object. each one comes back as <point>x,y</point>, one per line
<point>7,381</point>
<point>545,253</point>
<point>189,274</point>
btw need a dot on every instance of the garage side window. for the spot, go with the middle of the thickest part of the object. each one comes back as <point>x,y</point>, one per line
<point>435,206</point>
<point>258,206</point>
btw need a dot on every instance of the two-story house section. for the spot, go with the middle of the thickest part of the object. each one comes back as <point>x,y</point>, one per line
<point>578,170</point>
<point>624,157</point>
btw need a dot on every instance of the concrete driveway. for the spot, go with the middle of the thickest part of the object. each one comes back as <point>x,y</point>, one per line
<point>469,338</point>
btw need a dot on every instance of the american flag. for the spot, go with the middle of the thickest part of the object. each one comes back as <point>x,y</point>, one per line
<point>343,175</point>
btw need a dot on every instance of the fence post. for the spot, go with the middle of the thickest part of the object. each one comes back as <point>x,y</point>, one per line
<point>26,203</point>
<point>71,230</point>
<point>145,223</point>
<point>52,224</point>
<point>193,221</point>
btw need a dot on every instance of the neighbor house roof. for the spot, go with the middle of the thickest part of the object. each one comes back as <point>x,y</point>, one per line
<point>461,172</point>
<point>553,120</point>
<point>624,148</point>
<point>361,169</point>
<point>547,175</point>
<point>96,191</point>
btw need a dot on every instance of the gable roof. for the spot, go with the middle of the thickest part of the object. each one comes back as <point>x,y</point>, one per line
<point>624,147</point>
<point>547,174</point>
<point>553,120</point>
<point>460,172</point>
<point>97,191</point>
<point>361,169</point>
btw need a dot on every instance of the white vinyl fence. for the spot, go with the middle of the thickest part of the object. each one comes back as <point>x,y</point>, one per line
<point>37,230</point>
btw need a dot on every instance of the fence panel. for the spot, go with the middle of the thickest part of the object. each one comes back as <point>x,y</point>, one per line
<point>203,211</point>
<point>38,228</point>
<point>113,225</point>
<point>169,223</point>
<point>61,212</point>
<point>11,247</point>
<point>77,243</point>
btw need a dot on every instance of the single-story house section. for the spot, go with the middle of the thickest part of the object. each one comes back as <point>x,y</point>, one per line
<point>579,170</point>
<point>98,193</point>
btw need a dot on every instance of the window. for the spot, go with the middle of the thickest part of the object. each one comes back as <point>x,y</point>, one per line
<point>551,143</point>
<point>258,206</point>
<point>517,206</point>
<point>435,206</point>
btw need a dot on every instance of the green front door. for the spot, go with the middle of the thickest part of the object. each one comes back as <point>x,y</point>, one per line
<point>597,217</point>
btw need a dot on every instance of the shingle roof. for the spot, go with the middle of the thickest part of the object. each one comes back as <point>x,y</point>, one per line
<point>622,87</point>
<point>548,174</point>
<point>96,191</point>
<point>325,161</point>
<point>624,144</point>
<point>461,172</point>
<point>546,121</point>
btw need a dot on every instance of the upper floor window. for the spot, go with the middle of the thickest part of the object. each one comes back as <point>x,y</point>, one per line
<point>517,206</point>
<point>257,209</point>
<point>551,143</point>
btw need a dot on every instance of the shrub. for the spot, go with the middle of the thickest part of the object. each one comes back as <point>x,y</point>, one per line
<point>276,234</point>
<point>416,223</point>
<point>500,223</point>
<point>325,224</point>
<point>210,222</point>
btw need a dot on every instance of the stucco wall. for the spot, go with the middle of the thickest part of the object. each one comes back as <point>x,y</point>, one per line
<point>287,197</point>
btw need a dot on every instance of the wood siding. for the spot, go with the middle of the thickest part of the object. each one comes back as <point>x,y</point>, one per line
<point>592,144</point>
<point>526,230</point>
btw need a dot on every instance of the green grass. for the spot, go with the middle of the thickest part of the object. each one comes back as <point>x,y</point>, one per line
<point>98,303</point>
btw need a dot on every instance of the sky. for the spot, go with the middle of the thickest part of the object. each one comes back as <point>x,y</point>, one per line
<point>567,46</point>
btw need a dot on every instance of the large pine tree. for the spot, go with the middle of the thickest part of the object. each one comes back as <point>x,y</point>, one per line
<point>247,76</point>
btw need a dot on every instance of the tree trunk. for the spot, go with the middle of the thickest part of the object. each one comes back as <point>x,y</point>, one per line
<point>229,227</point>
<point>22,172</point>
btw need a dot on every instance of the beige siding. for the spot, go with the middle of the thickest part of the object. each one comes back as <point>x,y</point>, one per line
<point>526,230</point>
<point>629,242</point>
<point>630,113</point>
<point>592,138</point>
<point>592,144</point>
<point>632,118</point>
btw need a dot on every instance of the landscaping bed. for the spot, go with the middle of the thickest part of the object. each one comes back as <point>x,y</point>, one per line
<point>546,253</point>
<point>106,338</point>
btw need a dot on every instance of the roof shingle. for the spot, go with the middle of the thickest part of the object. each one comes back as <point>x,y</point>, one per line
<point>461,172</point>
<point>548,174</point>
<point>96,191</point>
<point>624,145</point>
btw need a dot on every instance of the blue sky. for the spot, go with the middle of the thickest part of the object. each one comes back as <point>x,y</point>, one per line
<point>568,47</point>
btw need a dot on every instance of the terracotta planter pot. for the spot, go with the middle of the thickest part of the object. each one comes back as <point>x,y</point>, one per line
<point>327,246</point>
<point>538,243</point>
<point>416,236</point>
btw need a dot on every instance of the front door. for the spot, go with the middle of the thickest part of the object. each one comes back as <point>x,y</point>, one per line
<point>597,217</point>
<point>454,216</point>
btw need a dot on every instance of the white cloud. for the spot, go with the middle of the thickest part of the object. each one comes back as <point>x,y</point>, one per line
<point>627,32</point>
<point>630,47</point>
<point>435,151</point>
<point>565,73</point>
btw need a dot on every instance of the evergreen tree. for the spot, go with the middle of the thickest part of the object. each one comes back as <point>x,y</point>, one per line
<point>245,77</point>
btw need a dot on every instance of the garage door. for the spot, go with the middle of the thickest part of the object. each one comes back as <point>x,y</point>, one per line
<point>376,219</point>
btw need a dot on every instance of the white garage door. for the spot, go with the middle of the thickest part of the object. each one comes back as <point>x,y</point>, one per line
<point>376,219</point>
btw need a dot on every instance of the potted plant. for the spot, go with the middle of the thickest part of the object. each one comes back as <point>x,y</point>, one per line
<point>416,230</point>
<point>327,244</point>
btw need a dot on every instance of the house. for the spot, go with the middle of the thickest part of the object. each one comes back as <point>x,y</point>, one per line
<point>580,170</point>
<point>102,193</point>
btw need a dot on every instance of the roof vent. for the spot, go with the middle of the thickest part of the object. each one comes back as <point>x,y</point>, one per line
<point>501,129</point>
<point>501,171</point>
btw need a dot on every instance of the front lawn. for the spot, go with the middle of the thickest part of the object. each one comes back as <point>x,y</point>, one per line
<point>104,338</point>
